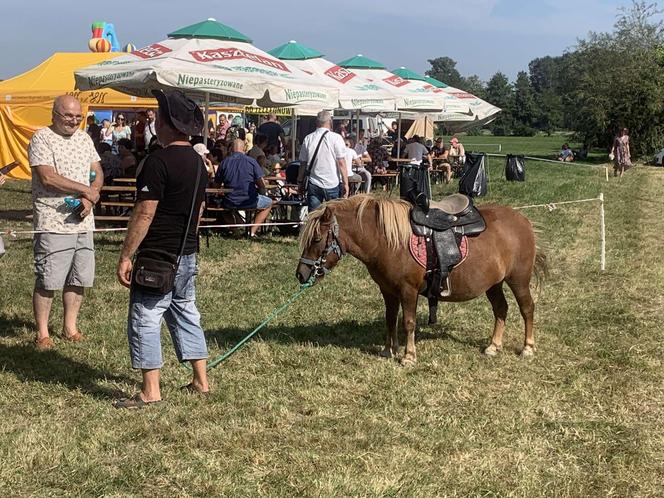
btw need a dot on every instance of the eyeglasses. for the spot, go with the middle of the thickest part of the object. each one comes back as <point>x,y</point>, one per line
<point>69,117</point>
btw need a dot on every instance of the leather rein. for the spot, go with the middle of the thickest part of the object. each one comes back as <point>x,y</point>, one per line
<point>334,246</point>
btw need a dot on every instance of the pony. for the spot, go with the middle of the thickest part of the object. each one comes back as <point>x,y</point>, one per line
<point>377,232</point>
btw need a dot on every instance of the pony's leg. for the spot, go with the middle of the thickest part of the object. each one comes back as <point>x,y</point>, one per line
<point>391,314</point>
<point>433,311</point>
<point>521,290</point>
<point>499,305</point>
<point>409,312</point>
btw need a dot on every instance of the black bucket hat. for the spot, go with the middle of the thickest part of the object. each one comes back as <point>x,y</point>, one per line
<point>183,112</point>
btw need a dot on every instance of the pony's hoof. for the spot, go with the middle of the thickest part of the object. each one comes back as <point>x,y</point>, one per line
<point>528,352</point>
<point>492,350</point>
<point>385,353</point>
<point>408,361</point>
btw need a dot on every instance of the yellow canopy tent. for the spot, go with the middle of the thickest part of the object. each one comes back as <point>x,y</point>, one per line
<point>26,101</point>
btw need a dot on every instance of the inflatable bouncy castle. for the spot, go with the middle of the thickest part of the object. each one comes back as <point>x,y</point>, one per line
<point>104,39</point>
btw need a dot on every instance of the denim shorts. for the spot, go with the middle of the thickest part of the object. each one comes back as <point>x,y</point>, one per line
<point>178,309</point>
<point>263,202</point>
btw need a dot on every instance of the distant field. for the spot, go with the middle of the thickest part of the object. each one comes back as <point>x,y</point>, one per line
<point>309,409</point>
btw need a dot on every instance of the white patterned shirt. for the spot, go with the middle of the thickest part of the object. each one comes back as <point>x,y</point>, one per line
<point>72,157</point>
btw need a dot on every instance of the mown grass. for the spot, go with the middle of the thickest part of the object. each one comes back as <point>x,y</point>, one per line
<point>309,409</point>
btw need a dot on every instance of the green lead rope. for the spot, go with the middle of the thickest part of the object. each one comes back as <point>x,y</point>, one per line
<point>227,354</point>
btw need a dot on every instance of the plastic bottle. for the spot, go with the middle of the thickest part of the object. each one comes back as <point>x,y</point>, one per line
<point>72,202</point>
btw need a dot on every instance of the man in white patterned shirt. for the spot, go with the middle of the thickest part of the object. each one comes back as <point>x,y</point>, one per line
<point>62,157</point>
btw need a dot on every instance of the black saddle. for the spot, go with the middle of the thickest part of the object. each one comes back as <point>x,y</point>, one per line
<point>443,225</point>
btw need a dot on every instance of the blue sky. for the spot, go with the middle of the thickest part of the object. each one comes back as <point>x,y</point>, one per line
<point>483,36</point>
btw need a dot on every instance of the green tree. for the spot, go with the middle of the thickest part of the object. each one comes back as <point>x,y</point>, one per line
<point>524,110</point>
<point>473,84</point>
<point>545,80</point>
<point>615,80</point>
<point>444,69</point>
<point>500,93</point>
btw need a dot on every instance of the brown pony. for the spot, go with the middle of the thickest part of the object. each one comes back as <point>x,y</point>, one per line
<point>377,231</point>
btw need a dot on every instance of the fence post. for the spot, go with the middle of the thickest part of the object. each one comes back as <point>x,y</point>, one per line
<point>602,233</point>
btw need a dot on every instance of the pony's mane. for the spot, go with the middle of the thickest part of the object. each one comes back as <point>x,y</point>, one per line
<point>391,219</point>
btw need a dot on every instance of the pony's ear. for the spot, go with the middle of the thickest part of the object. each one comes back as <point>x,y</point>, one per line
<point>327,216</point>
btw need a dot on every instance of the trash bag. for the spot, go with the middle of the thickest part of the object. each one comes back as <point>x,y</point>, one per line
<point>473,181</point>
<point>515,168</point>
<point>414,176</point>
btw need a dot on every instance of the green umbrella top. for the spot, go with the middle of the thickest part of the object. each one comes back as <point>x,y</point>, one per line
<point>407,74</point>
<point>294,51</point>
<point>361,62</point>
<point>210,29</point>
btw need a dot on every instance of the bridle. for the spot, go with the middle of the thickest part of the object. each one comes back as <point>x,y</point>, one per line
<point>331,246</point>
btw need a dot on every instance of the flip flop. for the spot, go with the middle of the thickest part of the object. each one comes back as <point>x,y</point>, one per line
<point>135,402</point>
<point>44,344</point>
<point>192,389</point>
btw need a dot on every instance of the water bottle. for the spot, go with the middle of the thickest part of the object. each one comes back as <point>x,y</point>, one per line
<point>72,202</point>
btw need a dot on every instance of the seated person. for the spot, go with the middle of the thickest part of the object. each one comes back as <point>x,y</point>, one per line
<point>258,152</point>
<point>127,158</point>
<point>416,151</point>
<point>361,145</point>
<point>352,162</point>
<point>244,176</point>
<point>393,132</point>
<point>358,167</point>
<point>272,155</point>
<point>379,158</point>
<point>440,158</point>
<point>202,151</point>
<point>398,149</point>
<point>457,152</point>
<point>110,163</point>
<point>566,154</point>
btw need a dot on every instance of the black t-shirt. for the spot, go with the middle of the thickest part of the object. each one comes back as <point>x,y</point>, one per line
<point>169,176</point>
<point>272,130</point>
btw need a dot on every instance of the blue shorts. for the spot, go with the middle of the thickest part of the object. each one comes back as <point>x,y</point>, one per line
<point>178,309</point>
<point>263,202</point>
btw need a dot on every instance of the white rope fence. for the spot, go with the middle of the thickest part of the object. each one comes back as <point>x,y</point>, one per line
<point>551,206</point>
<point>15,233</point>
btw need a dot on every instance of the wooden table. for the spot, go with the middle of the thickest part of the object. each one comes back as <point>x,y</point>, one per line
<point>124,180</point>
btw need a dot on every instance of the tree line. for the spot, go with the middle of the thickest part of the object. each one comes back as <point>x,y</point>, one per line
<point>606,82</point>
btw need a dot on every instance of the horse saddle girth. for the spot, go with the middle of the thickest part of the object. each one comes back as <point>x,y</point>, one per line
<point>443,229</point>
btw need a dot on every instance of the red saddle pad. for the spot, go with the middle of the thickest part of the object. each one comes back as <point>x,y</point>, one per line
<point>418,249</point>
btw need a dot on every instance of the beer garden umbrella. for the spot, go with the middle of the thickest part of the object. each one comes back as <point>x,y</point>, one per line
<point>481,111</point>
<point>210,62</point>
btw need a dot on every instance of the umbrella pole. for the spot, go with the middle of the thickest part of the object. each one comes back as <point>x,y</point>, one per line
<point>293,134</point>
<point>399,138</point>
<point>357,131</point>
<point>206,130</point>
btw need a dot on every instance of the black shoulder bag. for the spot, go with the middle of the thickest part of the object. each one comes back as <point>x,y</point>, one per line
<point>310,165</point>
<point>155,269</point>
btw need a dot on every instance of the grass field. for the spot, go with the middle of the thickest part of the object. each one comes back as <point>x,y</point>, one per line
<point>309,409</point>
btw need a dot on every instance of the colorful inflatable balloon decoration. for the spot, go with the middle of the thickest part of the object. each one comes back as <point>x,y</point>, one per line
<point>104,39</point>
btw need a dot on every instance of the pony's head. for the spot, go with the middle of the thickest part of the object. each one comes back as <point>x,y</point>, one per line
<point>321,250</point>
<point>320,240</point>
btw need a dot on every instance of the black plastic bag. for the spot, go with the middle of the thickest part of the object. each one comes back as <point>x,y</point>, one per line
<point>515,168</point>
<point>414,176</point>
<point>473,181</point>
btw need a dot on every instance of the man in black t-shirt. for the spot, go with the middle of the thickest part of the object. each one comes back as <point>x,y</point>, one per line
<point>273,131</point>
<point>164,195</point>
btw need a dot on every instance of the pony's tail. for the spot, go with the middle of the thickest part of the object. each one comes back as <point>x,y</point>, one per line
<point>541,268</point>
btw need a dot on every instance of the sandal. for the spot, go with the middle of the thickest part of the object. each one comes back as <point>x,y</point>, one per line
<point>44,344</point>
<point>75,337</point>
<point>135,402</point>
<point>192,389</point>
